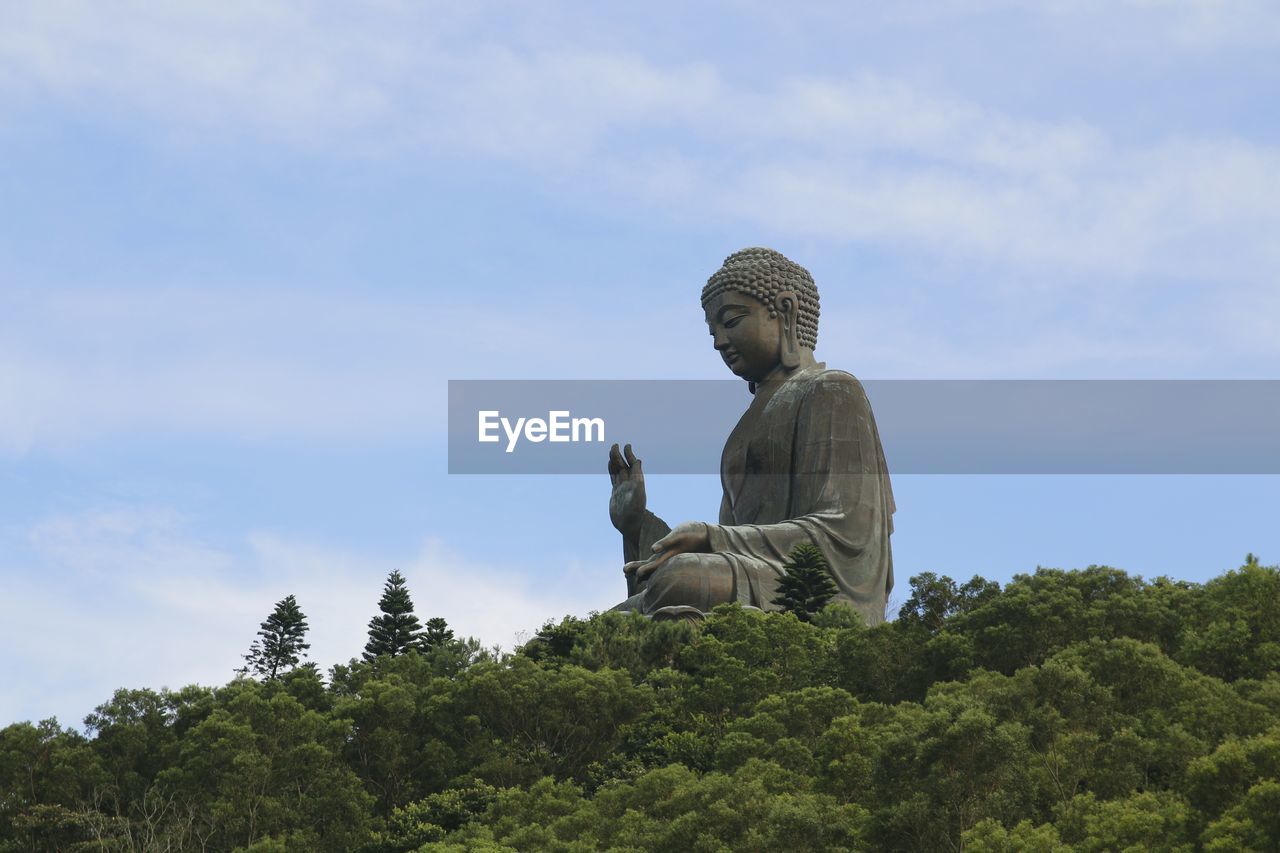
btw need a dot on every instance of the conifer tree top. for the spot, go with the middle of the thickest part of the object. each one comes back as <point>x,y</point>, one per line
<point>280,644</point>
<point>807,586</point>
<point>396,629</point>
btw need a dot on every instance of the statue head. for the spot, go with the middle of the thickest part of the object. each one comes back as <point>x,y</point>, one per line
<point>762,310</point>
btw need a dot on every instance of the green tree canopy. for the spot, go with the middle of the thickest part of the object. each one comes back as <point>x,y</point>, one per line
<point>280,644</point>
<point>396,629</point>
<point>437,634</point>
<point>1069,710</point>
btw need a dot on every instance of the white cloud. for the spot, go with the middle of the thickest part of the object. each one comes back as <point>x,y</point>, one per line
<point>858,156</point>
<point>1073,212</point>
<point>85,365</point>
<point>141,541</point>
<point>130,596</point>
<point>1185,210</point>
<point>1196,24</point>
<point>1167,26</point>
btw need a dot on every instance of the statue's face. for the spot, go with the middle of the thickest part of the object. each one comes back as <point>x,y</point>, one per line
<point>747,338</point>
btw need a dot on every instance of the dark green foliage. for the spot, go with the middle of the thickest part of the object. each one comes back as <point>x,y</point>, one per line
<point>431,818</point>
<point>397,630</point>
<point>436,635</point>
<point>613,639</point>
<point>1081,710</point>
<point>1233,629</point>
<point>934,599</point>
<point>280,643</point>
<point>807,586</point>
<point>555,641</point>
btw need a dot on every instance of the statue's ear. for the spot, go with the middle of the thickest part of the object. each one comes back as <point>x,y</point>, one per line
<point>786,305</point>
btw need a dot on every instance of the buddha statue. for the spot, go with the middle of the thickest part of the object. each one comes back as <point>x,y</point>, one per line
<point>804,465</point>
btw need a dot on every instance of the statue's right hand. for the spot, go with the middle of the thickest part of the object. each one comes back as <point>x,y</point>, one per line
<point>627,503</point>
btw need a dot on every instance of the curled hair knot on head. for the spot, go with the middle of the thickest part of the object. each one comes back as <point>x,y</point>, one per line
<point>763,274</point>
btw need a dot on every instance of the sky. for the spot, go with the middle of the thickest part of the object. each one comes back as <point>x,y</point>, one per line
<point>244,246</point>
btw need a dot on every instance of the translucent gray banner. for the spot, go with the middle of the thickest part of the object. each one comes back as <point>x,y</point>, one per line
<point>926,426</point>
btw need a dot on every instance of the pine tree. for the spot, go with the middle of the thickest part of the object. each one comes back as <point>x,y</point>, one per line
<point>808,585</point>
<point>279,646</point>
<point>397,630</point>
<point>438,633</point>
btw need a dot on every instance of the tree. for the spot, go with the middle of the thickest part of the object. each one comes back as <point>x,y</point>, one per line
<point>397,630</point>
<point>807,586</point>
<point>1069,710</point>
<point>935,599</point>
<point>262,768</point>
<point>437,634</point>
<point>279,645</point>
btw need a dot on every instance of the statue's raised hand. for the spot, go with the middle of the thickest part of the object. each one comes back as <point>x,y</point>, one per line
<point>627,503</point>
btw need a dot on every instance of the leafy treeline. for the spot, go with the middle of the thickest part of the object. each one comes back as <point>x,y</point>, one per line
<point>1070,710</point>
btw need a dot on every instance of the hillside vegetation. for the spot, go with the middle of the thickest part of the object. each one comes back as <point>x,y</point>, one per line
<point>1083,710</point>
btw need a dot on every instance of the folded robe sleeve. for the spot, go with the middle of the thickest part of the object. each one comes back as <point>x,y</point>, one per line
<point>838,497</point>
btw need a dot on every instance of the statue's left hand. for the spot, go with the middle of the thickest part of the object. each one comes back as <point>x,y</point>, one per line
<point>692,537</point>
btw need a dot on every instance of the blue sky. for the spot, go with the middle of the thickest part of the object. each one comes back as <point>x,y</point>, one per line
<point>243,247</point>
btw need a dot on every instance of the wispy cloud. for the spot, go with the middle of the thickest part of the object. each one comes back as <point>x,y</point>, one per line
<point>1073,213</point>
<point>137,599</point>
<point>90,365</point>
<point>857,156</point>
<point>1160,26</point>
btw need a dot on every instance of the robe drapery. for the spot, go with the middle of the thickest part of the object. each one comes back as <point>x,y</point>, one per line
<point>804,465</point>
